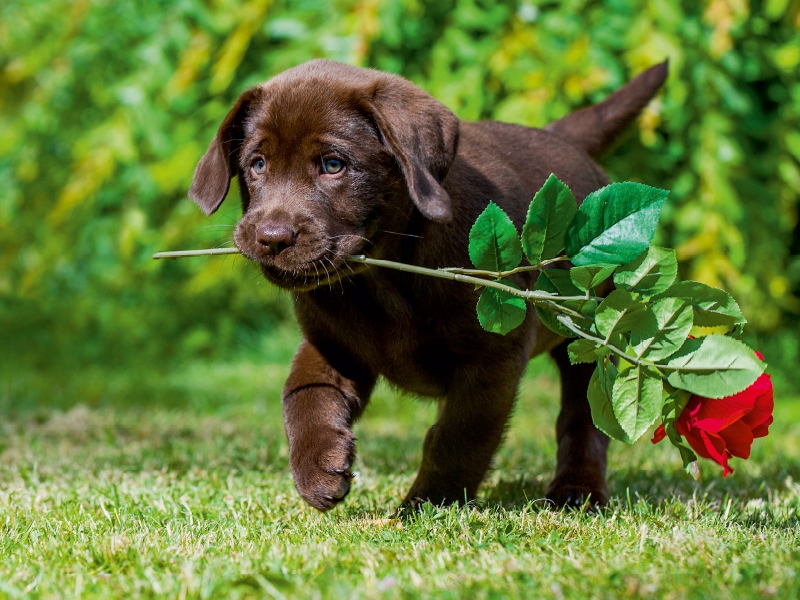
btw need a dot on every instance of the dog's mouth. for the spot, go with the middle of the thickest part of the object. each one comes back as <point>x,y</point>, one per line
<point>310,262</point>
<point>320,272</point>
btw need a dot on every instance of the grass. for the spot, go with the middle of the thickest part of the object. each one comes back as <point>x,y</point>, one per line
<point>192,499</point>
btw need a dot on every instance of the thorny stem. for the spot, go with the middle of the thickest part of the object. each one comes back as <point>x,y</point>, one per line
<point>566,322</point>
<point>501,274</point>
<point>563,309</point>
<point>183,253</point>
<point>530,295</point>
<point>535,296</point>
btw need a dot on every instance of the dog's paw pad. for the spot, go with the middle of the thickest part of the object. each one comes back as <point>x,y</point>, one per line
<point>341,491</point>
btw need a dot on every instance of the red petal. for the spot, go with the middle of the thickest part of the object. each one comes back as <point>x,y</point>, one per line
<point>696,442</point>
<point>738,439</point>
<point>659,434</point>
<point>716,415</point>
<point>685,420</point>
<point>709,445</point>
<point>762,410</point>
<point>763,429</point>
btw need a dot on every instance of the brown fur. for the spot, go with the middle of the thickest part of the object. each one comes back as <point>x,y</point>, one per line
<point>414,181</point>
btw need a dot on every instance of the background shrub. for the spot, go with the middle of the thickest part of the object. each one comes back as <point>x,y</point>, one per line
<point>105,108</point>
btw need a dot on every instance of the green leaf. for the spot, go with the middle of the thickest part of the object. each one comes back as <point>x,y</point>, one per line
<point>663,335</point>
<point>614,224</point>
<point>712,307</point>
<point>651,273</point>
<point>587,308</point>
<point>637,398</point>
<point>548,319</point>
<point>676,402</point>
<point>602,410</point>
<point>715,366</point>
<point>585,278</point>
<point>687,454</point>
<point>585,351</point>
<point>549,215</point>
<point>608,375</point>
<point>673,407</point>
<point>499,311</point>
<point>557,281</point>
<point>493,242</point>
<point>620,311</point>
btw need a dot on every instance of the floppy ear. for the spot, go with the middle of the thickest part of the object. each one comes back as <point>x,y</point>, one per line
<point>219,164</point>
<point>423,135</point>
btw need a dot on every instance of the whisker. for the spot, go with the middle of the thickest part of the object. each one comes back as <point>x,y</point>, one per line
<point>327,273</point>
<point>315,269</point>
<point>335,270</point>
<point>349,268</point>
<point>403,234</point>
<point>352,235</point>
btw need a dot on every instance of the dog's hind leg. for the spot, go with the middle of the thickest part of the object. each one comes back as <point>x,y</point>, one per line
<point>581,467</point>
<point>459,447</point>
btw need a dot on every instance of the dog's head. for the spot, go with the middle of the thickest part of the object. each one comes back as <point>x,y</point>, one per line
<point>328,157</point>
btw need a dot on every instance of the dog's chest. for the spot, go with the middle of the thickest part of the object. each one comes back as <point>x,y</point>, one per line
<point>415,345</point>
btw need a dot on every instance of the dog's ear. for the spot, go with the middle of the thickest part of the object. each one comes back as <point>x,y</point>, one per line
<point>220,163</point>
<point>423,136</point>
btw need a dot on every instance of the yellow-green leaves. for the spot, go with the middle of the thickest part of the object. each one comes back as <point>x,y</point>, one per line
<point>615,224</point>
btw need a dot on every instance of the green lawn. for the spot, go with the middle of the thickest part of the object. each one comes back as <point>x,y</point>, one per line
<point>185,493</point>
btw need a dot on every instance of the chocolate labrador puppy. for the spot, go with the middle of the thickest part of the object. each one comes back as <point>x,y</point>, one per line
<point>334,160</point>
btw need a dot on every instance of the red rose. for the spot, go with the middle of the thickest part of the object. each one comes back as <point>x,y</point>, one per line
<point>720,429</point>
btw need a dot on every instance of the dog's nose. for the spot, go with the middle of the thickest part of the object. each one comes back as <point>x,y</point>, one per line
<point>275,238</point>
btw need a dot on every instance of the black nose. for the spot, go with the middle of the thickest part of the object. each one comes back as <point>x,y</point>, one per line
<point>275,238</point>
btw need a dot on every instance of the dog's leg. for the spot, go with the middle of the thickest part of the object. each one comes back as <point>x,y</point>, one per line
<point>320,404</point>
<point>459,447</point>
<point>581,468</point>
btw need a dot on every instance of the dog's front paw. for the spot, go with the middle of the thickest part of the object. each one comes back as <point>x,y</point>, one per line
<point>320,463</point>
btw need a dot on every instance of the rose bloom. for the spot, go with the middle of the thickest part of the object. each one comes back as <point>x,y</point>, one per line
<point>720,429</point>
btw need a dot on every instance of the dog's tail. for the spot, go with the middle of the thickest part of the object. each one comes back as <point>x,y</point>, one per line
<point>593,128</point>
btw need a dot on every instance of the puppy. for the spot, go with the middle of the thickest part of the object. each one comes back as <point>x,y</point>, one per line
<point>334,160</point>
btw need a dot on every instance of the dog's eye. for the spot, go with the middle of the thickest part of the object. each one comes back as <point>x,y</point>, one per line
<point>332,166</point>
<point>259,166</point>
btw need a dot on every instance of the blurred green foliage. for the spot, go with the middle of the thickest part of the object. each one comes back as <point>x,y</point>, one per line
<point>105,107</point>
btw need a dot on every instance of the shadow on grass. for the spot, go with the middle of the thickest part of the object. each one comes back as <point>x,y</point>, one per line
<point>516,492</point>
<point>769,499</point>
